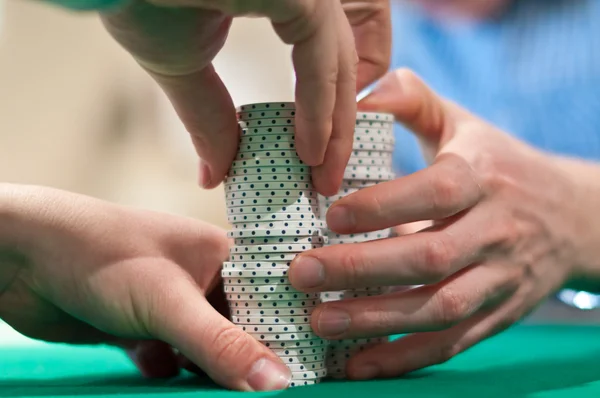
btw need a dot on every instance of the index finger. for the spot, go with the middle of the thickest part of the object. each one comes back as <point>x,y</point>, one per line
<point>440,191</point>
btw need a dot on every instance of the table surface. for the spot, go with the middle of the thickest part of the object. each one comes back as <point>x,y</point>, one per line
<point>525,361</point>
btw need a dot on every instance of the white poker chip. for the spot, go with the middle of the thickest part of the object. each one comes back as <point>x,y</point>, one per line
<point>283,121</point>
<point>250,273</point>
<point>381,234</point>
<point>271,312</point>
<point>263,114</point>
<point>345,295</point>
<point>280,240</point>
<point>256,265</point>
<point>293,233</point>
<point>374,138</point>
<point>271,202</point>
<point>267,178</point>
<point>381,176</point>
<point>271,320</point>
<point>268,185</point>
<point>358,153</point>
<point>367,169</point>
<point>381,162</point>
<point>286,304</point>
<point>292,225</point>
<point>270,146</point>
<point>383,117</point>
<point>264,218</point>
<point>295,344</point>
<point>298,367</point>
<point>374,124</point>
<point>271,296</point>
<point>309,374</point>
<point>303,359</point>
<point>273,193</point>
<point>274,248</point>
<point>263,257</point>
<point>281,153</point>
<point>289,170</point>
<point>301,328</point>
<point>284,336</point>
<point>248,282</point>
<point>274,209</point>
<point>303,383</point>
<point>265,106</point>
<point>386,129</point>
<point>284,353</point>
<point>358,183</point>
<point>373,146</point>
<point>266,138</point>
<point>261,289</point>
<point>240,164</point>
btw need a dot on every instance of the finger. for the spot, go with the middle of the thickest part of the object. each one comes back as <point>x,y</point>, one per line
<point>372,26</point>
<point>328,176</point>
<point>422,258</point>
<point>421,350</point>
<point>412,103</point>
<point>154,359</point>
<point>206,109</point>
<point>315,58</point>
<point>183,318</point>
<point>442,190</point>
<point>422,309</point>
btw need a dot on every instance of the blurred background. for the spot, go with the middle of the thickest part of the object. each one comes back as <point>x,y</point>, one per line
<point>77,113</point>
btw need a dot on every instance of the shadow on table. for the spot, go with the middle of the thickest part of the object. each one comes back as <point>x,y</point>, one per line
<point>518,380</point>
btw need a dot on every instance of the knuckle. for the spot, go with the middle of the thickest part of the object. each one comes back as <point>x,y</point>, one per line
<point>446,352</point>
<point>437,259</point>
<point>446,195</point>
<point>355,267</point>
<point>452,307</point>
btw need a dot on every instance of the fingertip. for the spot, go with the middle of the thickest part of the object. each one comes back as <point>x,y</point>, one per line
<point>341,219</point>
<point>325,183</point>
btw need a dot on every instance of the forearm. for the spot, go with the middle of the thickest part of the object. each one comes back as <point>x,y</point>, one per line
<point>586,181</point>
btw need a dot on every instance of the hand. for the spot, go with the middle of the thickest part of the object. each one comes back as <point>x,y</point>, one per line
<point>177,45</point>
<point>93,272</point>
<point>507,232</point>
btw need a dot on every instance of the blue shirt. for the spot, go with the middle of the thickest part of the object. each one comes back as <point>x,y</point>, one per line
<point>534,72</point>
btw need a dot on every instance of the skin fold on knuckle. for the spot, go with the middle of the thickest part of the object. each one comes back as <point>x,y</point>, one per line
<point>451,307</point>
<point>232,349</point>
<point>355,267</point>
<point>436,261</point>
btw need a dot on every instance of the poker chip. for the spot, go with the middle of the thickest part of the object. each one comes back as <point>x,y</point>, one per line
<point>271,312</point>
<point>225,273</point>
<point>280,122</point>
<point>295,328</point>
<point>276,337</point>
<point>273,193</point>
<point>373,124</point>
<point>265,106</point>
<point>381,234</point>
<point>280,240</point>
<point>284,353</point>
<point>357,153</point>
<point>312,366</point>
<point>263,257</point>
<point>274,209</point>
<point>302,383</point>
<point>267,178</point>
<point>289,344</point>
<point>246,218</point>
<point>309,374</point>
<point>303,359</point>
<point>274,248</point>
<point>297,304</point>
<point>264,114</point>
<point>370,162</point>
<point>365,175</point>
<point>272,202</point>
<point>373,146</point>
<point>381,117</point>
<point>270,146</point>
<point>271,320</point>
<point>260,289</point>
<point>271,296</point>
<point>292,233</point>
<point>269,185</point>
<point>249,138</point>
<point>239,164</point>
<point>289,226</point>
<point>256,265</point>
<point>260,282</point>
<point>285,154</point>
<point>269,170</point>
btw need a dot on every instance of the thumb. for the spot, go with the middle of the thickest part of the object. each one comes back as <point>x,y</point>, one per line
<point>413,104</point>
<point>184,319</point>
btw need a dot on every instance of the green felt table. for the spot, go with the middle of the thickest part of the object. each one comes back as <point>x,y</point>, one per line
<point>526,361</point>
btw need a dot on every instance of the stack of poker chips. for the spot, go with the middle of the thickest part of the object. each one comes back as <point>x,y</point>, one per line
<point>273,208</point>
<point>370,164</point>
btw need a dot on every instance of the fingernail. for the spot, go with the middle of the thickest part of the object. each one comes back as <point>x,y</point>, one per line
<point>340,218</point>
<point>268,375</point>
<point>204,175</point>
<point>365,372</point>
<point>333,322</point>
<point>307,272</point>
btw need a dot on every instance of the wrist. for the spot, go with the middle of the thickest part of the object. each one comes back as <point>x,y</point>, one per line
<point>12,258</point>
<point>585,218</point>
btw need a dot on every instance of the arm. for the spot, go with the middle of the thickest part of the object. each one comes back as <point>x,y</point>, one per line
<point>11,259</point>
